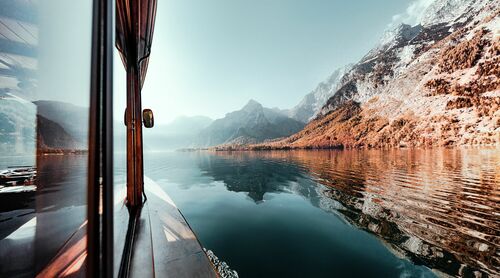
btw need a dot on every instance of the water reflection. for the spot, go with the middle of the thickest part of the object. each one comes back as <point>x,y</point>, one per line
<point>439,208</point>
<point>35,225</point>
<point>44,115</point>
<point>241,173</point>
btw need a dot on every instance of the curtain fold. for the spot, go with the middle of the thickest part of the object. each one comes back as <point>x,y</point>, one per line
<point>135,20</point>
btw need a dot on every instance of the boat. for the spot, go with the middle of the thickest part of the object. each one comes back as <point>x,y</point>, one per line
<point>17,175</point>
<point>72,220</point>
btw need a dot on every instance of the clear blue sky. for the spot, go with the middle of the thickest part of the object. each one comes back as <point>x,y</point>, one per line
<point>211,57</point>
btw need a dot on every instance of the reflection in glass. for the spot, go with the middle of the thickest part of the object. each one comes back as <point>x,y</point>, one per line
<point>44,99</point>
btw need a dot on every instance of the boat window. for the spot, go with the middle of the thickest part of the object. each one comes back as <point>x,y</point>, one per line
<point>45,52</point>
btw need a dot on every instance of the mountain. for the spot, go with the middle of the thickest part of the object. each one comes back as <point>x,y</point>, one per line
<point>180,133</point>
<point>312,103</point>
<point>183,125</point>
<point>252,124</point>
<point>24,126</point>
<point>72,118</point>
<point>51,136</point>
<point>433,84</point>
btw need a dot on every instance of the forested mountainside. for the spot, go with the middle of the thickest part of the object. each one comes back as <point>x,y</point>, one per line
<point>433,84</point>
<point>52,137</point>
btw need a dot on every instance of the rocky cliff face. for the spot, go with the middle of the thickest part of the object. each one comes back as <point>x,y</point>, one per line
<point>436,83</point>
<point>312,103</point>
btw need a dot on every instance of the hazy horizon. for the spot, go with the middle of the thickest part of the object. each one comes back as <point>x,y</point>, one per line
<point>209,59</point>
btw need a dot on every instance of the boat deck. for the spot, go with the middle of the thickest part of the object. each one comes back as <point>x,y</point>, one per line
<point>165,245</point>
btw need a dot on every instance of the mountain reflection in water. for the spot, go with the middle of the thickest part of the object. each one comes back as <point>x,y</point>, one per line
<point>439,208</point>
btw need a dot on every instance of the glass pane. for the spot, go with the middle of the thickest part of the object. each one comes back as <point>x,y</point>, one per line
<point>121,215</point>
<point>44,114</point>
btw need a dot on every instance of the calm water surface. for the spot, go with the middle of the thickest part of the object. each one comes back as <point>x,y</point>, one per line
<point>410,213</point>
<point>399,213</point>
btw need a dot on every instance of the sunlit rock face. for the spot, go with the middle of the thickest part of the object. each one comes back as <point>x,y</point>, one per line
<point>312,103</point>
<point>433,84</point>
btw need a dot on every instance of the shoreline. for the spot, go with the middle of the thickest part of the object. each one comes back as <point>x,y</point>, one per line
<point>61,152</point>
<point>336,148</point>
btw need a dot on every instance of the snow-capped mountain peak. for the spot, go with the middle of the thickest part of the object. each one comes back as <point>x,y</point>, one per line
<point>310,105</point>
<point>401,32</point>
<point>447,11</point>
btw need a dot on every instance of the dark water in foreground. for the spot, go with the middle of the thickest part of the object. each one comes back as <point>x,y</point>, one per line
<point>401,213</point>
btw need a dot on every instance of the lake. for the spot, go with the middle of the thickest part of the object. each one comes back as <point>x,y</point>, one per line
<point>350,213</point>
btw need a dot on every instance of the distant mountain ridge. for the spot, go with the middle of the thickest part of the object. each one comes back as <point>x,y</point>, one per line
<point>180,133</point>
<point>252,124</point>
<point>184,125</point>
